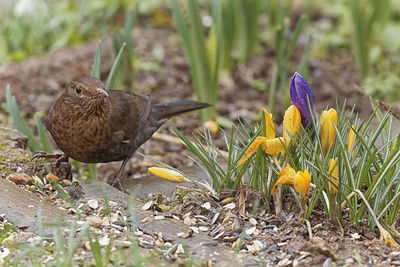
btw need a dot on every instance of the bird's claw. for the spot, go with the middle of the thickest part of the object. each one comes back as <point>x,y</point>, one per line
<point>116,182</point>
<point>59,157</point>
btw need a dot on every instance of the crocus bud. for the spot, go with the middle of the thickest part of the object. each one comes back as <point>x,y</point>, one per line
<point>291,124</point>
<point>333,177</point>
<point>350,141</point>
<point>328,133</point>
<point>300,95</point>
<point>167,174</point>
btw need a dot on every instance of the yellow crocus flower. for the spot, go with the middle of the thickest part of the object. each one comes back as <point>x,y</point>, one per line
<point>387,238</point>
<point>301,183</point>
<point>270,144</point>
<point>269,125</point>
<point>252,149</point>
<point>285,176</point>
<point>299,180</point>
<point>328,133</point>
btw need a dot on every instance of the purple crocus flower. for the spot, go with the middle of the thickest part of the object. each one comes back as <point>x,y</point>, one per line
<point>299,92</point>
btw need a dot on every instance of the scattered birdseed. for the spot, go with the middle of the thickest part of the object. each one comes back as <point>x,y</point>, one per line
<point>203,228</point>
<point>251,230</point>
<point>227,200</point>
<point>230,206</point>
<point>147,205</point>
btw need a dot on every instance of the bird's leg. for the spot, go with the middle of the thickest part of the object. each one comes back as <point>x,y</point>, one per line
<point>116,181</point>
<point>59,157</point>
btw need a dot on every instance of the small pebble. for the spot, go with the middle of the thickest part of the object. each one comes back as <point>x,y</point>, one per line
<point>255,247</point>
<point>93,204</point>
<point>4,252</point>
<point>180,249</point>
<point>94,221</point>
<point>104,241</point>
<point>206,205</point>
<point>172,249</point>
<point>159,217</point>
<point>159,243</point>
<point>181,234</point>
<point>188,221</point>
<point>20,178</point>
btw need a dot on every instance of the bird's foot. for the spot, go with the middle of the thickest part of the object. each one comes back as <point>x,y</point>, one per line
<point>116,182</point>
<point>59,157</point>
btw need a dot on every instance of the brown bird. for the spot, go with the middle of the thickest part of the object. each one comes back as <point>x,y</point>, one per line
<point>93,125</point>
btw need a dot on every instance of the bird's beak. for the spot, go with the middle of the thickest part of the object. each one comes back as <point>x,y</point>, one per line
<point>101,91</point>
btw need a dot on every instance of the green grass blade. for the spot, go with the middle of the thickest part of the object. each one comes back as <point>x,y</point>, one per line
<point>96,72</point>
<point>296,34</point>
<point>42,135</point>
<point>96,249</point>
<point>96,68</point>
<point>115,68</point>
<point>183,32</point>
<point>19,121</point>
<point>92,168</point>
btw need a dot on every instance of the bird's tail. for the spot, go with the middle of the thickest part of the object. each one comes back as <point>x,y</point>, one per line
<point>167,110</point>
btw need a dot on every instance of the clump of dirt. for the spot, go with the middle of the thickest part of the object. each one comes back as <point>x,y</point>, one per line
<point>15,158</point>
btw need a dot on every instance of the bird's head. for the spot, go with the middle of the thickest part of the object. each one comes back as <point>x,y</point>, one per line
<point>86,93</point>
<point>86,88</point>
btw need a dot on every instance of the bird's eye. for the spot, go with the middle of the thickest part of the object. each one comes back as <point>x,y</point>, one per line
<point>78,90</point>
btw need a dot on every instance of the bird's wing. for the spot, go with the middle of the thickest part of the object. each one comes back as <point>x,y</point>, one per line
<point>143,105</point>
<point>128,113</point>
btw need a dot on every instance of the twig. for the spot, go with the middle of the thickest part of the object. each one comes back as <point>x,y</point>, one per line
<point>385,235</point>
